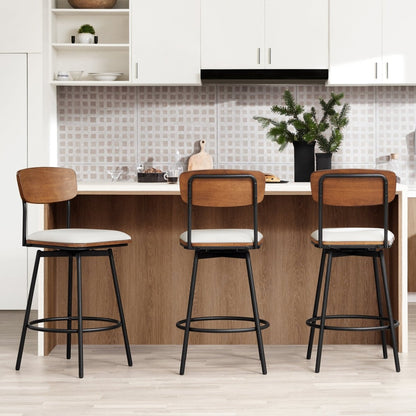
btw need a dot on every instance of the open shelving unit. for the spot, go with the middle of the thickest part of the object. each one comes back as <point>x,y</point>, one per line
<point>110,54</point>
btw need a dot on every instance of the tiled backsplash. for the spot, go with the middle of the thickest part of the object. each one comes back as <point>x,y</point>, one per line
<point>102,128</point>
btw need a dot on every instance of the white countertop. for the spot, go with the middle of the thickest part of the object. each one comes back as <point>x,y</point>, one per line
<point>162,188</point>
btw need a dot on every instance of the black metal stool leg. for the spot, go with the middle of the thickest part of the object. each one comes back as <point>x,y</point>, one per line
<point>69,322</point>
<point>323,315</point>
<point>256,314</point>
<point>189,314</point>
<point>389,311</point>
<point>28,308</point>
<point>316,304</point>
<point>120,307</point>
<point>80,324</point>
<point>380,307</point>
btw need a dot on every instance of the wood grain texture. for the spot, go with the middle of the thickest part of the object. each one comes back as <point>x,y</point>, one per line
<point>220,380</point>
<point>220,192</point>
<point>154,270</point>
<point>200,160</point>
<point>353,191</point>
<point>45,185</point>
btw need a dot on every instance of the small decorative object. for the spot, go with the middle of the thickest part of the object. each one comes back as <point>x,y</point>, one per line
<point>86,34</point>
<point>73,39</point>
<point>62,76</point>
<point>201,160</point>
<point>76,75</point>
<point>92,4</point>
<point>105,76</point>
<point>303,129</point>
<point>150,175</point>
<point>95,39</point>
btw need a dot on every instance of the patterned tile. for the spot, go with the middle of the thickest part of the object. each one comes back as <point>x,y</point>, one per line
<point>396,122</point>
<point>241,139</point>
<point>104,128</point>
<point>97,127</point>
<point>172,121</point>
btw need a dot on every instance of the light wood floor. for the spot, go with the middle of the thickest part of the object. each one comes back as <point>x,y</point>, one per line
<point>219,380</point>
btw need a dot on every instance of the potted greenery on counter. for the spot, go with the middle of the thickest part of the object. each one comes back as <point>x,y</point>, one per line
<point>304,129</point>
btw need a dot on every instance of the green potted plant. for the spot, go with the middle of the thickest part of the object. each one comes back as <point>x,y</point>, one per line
<point>86,34</point>
<point>303,129</point>
<point>334,122</point>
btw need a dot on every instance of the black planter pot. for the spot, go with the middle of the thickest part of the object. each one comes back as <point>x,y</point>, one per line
<point>304,160</point>
<point>323,161</point>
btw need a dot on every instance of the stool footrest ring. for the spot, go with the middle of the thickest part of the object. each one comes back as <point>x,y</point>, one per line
<point>182,324</point>
<point>313,323</point>
<point>34,324</point>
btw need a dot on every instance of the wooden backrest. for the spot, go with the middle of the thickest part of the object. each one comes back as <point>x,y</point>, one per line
<point>46,185</point>
<point>355,190</point>
<point>222,190</point>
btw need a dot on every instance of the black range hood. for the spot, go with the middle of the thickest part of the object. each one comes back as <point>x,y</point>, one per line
<point>264,75</point>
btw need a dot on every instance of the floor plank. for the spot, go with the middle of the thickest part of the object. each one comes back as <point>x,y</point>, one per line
<point>220,380</point>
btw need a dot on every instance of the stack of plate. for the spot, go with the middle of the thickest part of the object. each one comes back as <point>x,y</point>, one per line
<point>105,76</point>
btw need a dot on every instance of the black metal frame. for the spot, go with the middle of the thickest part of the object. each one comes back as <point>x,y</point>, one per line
<point>72,253</point>
<point>328,253</point>
<point>221,251</point>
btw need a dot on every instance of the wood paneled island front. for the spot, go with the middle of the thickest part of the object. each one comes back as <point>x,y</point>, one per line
<point>154,270</point>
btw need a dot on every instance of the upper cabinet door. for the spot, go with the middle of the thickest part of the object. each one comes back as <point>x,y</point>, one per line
<point>355,47</point>
<point>399,57</point>
<point>165,42</point>
<point>21,26</point>
<point>232,34</point>
<point>296,34</point>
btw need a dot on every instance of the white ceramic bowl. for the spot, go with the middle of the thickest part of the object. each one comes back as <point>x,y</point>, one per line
<point>76,75</point>
<point>105,76</point>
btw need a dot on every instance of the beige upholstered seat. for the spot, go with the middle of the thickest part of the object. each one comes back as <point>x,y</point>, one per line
<point>221,237</point>
<point>222,189</point>
<point>353,236</point>
<point>352,188</point>
<point>47,185</point>
<point>77,237</point>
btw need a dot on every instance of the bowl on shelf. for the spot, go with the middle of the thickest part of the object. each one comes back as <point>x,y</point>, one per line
<point>76,75</point>
<point>92,4</point>
<point>105,76</point>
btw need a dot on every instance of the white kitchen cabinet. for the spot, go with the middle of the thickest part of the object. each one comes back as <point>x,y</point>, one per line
<point>371,42</point>
<point>21,26</point>
<point>13,156</point>
<point>399,57</point>
<point>264,34</point>
<point>296,34</point>
<point>232,34</point>
<point>110,55</point>
<point>165,42</point>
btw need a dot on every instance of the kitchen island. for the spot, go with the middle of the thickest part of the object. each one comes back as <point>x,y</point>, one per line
<point>154,270</point>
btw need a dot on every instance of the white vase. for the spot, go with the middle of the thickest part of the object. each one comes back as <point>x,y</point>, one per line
<point>85,38</point>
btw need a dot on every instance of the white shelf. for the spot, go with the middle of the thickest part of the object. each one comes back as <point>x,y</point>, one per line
<point>80,12</point>
<point>110,54</point>
<point>91,83</point>
<point>81,46</point>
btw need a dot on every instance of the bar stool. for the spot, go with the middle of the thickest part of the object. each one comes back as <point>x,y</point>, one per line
<point>353,188</point>
<point>45,185</point>
<point>222,188</point>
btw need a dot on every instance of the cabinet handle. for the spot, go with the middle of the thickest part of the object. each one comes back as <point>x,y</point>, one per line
<point>270,55</point>
<point>137,70</point>
<point>376,70</point>
<point>387,70</point>
<point>258,55</point>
